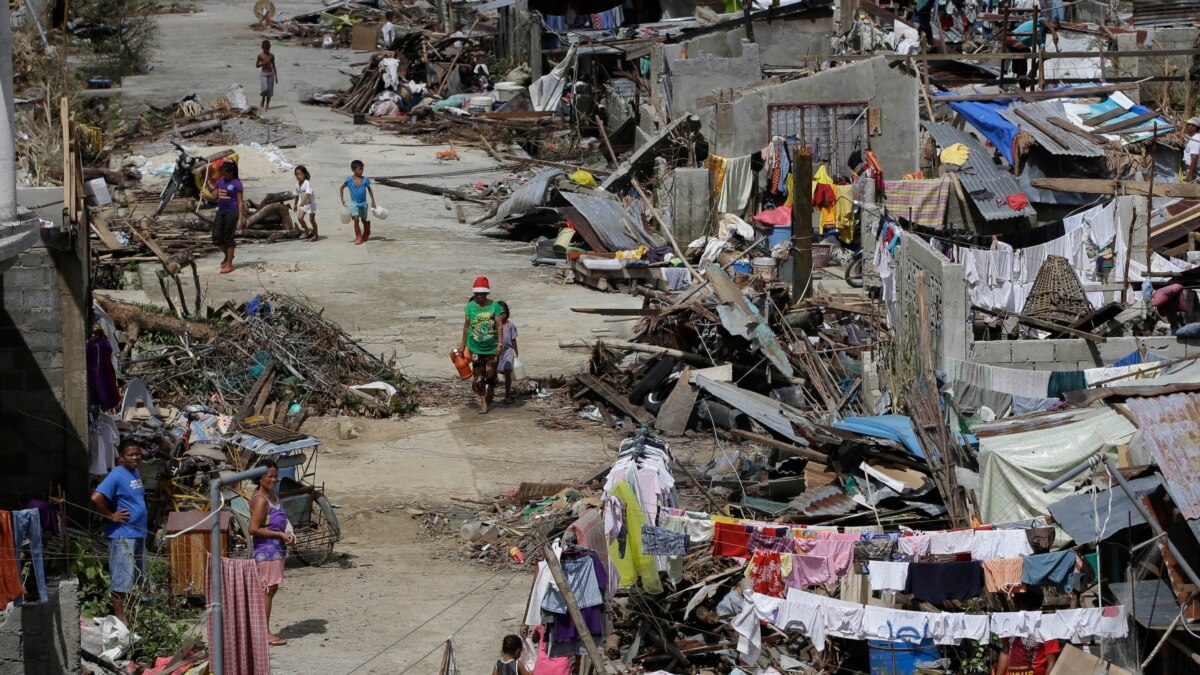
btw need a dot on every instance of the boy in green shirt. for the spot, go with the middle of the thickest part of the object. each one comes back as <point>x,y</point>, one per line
<point>482,328</point>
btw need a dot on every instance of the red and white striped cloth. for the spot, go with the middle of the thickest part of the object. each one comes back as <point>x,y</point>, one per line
<point>245,628</point>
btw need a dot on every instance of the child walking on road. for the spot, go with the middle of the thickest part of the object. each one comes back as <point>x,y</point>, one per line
<point>305,203</point>
<point>360,189</point>
<point>508,351</point>
<point>268,75</point>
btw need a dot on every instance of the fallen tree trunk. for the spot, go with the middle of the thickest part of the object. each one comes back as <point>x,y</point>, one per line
<point>134,320</point>
<point>277,212</point>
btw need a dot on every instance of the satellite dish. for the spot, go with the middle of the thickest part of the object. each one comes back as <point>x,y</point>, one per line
<point>264,11</point>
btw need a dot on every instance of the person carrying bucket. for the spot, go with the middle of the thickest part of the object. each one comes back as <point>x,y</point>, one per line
<point>482,328</point>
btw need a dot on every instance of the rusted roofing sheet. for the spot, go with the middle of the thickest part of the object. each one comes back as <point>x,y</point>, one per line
<point>1165,12</point>
<point>1170,428</point>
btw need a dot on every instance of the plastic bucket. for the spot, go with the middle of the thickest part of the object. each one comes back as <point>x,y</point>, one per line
<point>900,658</point>
<point>345,215</point>
<point>741,267</point>
<point>764,268</point>
<point>507,91</point>
<point>563,240</point>
<point>779,235</point>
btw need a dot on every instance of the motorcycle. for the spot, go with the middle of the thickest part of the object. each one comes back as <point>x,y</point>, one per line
<point>854,270</point>
<point>183,181</point>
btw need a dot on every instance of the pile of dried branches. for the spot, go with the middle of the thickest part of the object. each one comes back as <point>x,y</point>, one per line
<point>264,364</point>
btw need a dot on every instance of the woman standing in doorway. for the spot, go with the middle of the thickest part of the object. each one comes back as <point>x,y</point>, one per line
<point>272,533</point>
<point>482,328</point>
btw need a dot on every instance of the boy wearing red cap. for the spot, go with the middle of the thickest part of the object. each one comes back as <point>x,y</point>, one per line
<point>482,328</point>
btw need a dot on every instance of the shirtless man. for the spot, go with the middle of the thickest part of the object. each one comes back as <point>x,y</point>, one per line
<point>268,75</point>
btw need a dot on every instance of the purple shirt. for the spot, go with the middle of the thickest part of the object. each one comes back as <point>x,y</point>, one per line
<point>227,195</point>
<point>272,549</point>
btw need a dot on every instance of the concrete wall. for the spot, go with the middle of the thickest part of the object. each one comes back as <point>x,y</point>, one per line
<point>43,367</point>
<point>42,639</point>
<point>945,301</point>
<point>1076,354</point>
<point>696,72</point>
<point>1164,38</point>
<point>780,42</point>
<point>873,82</point>
<point>689,204</point>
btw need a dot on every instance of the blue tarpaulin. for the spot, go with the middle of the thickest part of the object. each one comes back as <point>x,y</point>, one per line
<point>892,427</point>
<point>985,117</point>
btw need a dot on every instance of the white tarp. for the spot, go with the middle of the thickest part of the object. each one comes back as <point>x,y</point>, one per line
<point>548,89</point>
<point>1015,466</point>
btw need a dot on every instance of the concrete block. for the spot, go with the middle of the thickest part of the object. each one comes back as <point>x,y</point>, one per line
<point>991,352</point>
<point>47,321</point>
<point>40,298</point>
<point>30,277</point>
<point>1033,350</point>
<point>34,258</point>
<point>38,341</point>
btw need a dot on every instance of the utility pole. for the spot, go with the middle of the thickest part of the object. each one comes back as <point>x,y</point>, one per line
<point>802,230</point>
<point>8,131</point>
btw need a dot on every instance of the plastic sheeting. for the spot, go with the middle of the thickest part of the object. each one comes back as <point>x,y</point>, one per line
<point>985,117</point>
<point>1015,466</point>
<point>546,92</point>
<point>892,427</point>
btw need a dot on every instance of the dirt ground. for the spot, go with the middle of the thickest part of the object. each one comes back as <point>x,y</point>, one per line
<point>386,601</point>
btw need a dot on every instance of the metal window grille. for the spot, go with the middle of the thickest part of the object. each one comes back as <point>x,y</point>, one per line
<point>833,131</point>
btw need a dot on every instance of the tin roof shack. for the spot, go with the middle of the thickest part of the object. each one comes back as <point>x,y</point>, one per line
<point>744,125</point>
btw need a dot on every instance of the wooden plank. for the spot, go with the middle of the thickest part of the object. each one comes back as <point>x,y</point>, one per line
<point>1072,129</point>
<point>675,412</point>
<point>1126,124</point>
<point>1038,323</point>
<point>788,448</point>
<point>1039,95</point>
<point>152,245</point>
<point>100,227</point>
<point>555,165</point>
<point>431,190</point>
<point>1036,124</point>
<point>618,311</point>
<point>619,402</point>
<point>1097,120</point>
<point>1105,186</point>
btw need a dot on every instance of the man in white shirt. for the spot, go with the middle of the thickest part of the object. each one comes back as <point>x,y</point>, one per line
<point>1191,151</point>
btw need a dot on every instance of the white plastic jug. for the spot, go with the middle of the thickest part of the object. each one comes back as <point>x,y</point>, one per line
<point>345,215</point>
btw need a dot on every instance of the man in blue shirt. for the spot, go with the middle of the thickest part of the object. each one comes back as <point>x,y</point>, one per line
<point>121,499</point>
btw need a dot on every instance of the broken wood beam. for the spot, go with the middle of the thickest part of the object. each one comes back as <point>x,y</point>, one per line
<point>635,347</point>
<point>1107,186</point>
<point>1040,324</point>
<point>618,311</point>
<point>133,319</point>
<point>789,448</point>
<point>554,165</point>
<point>430,190</point>
<point>619,402</point>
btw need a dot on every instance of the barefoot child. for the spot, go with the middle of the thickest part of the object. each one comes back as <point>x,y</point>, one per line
<point>360,189</point>
<point>305,203</point>
<point>508,351</point>
<point>268,75</point>
<point>509,662</point>
<point>230,208</point>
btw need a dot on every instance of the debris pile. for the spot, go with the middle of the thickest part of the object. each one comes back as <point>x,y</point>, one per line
<point>277,357</point>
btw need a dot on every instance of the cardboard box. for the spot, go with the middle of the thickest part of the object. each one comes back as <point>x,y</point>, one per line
<point>364,37</point>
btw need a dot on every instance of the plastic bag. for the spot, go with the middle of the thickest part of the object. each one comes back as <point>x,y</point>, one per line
<point>518,368</point>
<point>236,95</point>
<point>114,637</point>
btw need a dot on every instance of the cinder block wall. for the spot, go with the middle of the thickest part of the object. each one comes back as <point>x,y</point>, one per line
<point>42,639</point>
<point>43,371</point>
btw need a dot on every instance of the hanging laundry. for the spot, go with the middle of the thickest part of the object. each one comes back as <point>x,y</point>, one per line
<point>920,201</point>
<point>843,209</point>
<point>840,553</point>
<point>632,564</point>
<point>244,617</point>
<point>874,549</point>
<point>730,538</point>
<point>888,576</point>
<point>766,572</point>
<point>1050,569</point>
<point>772,539</point>
<point>27,524</point>
<point>808,570</point>
<point>731,180</point>
<point>1062,382</point>
<point>660,541</point>
<point>824,198</point>
<point>937,582</point>
<point>1003,575</point>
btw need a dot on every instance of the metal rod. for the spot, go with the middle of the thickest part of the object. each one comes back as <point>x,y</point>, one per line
<point>1153,523</point>
<point>1086,464</point>
<point>217,648</point>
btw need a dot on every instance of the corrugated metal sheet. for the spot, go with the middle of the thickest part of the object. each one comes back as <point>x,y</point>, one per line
<point>1076,514</point>
<point>1170,428</point>
<point>1165,12</point>
<point>1061,144</point>
<point>527,197</point>
<point>607,217</point>
<point>830,500</point>
<point>986,176</point>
